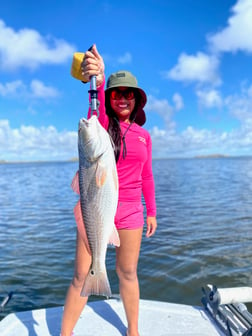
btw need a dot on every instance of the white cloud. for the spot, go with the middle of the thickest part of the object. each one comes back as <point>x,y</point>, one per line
<point>237,35</point>
<point>193,142</point>
<point>209,98</point>
<point>178,101</point>
<point>167,142</point>
<point>47,143</point>
<point>11,88</point>
<point>201,68</point>
<point>240,105</point>
<point>31,143</point>
<point>36,89</point>
<point>162,108</point>
<point>185,144</point>
<point>27,48</point>
<point>125,59</point>
<point>40,90</point>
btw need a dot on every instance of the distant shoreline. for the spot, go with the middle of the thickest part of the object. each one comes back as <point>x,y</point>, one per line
<point>38,161</point>
<point>210,156</point>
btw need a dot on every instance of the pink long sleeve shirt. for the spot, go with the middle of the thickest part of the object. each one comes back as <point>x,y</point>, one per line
<point>135,170</point>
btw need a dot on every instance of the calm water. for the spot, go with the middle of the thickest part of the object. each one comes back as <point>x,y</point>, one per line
<point>204,233</point>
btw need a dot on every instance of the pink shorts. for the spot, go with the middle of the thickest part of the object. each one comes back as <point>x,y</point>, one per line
<point>129,215</point>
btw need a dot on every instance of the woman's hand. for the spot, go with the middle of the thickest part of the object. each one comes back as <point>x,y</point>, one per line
<point>151,226</point>
<point>93,65</point>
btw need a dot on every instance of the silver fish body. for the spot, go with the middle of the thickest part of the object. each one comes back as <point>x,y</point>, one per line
<point>98,184</point>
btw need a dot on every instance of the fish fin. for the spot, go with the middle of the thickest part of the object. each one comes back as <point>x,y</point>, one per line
<point>96,283</point>
<point>80,225</point>
<point>101,175</point>
<point>115,179</point>
<point>75,183</point>
<point>114,238</point>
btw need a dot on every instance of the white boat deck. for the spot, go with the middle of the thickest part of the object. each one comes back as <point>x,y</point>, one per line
<point>107,318</point>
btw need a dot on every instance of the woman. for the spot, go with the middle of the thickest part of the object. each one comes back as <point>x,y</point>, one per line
<point>123,118</point>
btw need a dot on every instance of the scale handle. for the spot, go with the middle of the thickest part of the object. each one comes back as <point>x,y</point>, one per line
<point>93,93</point>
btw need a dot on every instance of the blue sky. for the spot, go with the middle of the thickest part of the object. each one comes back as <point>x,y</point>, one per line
<point>193,58</point>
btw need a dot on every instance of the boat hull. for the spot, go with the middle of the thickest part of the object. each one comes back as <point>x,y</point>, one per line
<point>107,317</point>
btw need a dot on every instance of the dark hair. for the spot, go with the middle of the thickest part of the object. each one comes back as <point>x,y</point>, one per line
<point>114,128</point>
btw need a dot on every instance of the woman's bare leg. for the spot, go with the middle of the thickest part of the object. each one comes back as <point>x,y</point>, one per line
<point>126,265</point>
<point>75,303</point>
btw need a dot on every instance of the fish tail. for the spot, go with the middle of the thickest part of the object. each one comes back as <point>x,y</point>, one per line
<point>114,238</point>
<point>96,283</point>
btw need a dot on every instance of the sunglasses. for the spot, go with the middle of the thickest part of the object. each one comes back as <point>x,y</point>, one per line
<point>118,94</point>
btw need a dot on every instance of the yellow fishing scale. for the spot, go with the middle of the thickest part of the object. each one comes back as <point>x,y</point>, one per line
<point>76,72</point>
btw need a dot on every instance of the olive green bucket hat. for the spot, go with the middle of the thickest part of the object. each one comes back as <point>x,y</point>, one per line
<point>126,79</point>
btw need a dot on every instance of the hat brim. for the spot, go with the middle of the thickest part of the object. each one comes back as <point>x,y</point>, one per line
<point>140,118</point>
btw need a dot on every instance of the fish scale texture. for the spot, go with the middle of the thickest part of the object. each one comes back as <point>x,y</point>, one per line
<point>99,197</point>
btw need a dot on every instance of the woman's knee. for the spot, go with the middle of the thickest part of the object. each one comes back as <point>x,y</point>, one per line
<point>126,273</point>
<point>78,279</point>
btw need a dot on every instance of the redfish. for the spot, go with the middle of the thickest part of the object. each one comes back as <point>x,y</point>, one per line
<point>98,188</point>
